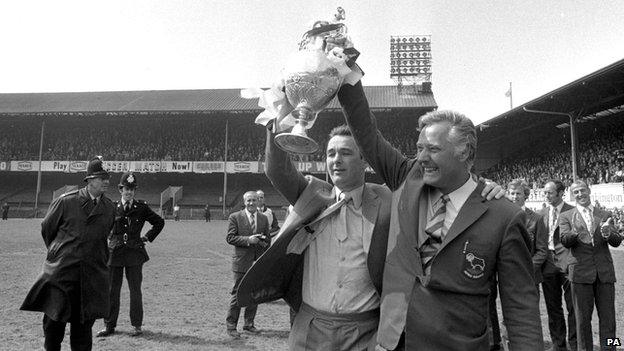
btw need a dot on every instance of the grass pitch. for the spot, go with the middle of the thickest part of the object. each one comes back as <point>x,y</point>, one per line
<point>186,292</point>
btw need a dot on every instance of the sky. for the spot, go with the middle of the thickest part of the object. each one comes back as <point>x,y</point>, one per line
<point>478,47</point>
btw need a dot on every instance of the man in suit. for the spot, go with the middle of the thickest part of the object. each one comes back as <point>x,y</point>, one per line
<point>127,250</point>
<point>73,287</point>
<point>554,281</point>
<point>588,231</point>
<point>517,192</point>
<point>265,210</point>
<point>248,232</point>
<point>328,259</point>
<point>445,242</point>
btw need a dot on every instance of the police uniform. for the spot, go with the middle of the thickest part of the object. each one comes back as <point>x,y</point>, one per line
<point>127,249</point>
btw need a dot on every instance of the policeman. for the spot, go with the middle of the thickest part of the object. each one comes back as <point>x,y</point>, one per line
<point>127,249</point>
<point>73,286</point>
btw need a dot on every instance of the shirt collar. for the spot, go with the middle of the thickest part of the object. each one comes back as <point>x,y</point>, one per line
<point>459,196</point>
<point>582,208</point>
<point>93,197</point>
<point>558,207</point>
<point>249,214</point>
<point>123,202</point>
<point>356,195</point>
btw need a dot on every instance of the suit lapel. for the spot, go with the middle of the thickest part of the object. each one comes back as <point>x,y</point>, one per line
<point>370,210</point>
<point>408,207</point>
<point>309,205</point>
<point>423,208</point>
<point>472,210</point>
<point>597,219</point>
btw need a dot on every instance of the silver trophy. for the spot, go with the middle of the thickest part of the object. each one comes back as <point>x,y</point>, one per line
<point>311,80</point>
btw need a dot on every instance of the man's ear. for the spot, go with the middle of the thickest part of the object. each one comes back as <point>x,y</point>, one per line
<point>463,153</point>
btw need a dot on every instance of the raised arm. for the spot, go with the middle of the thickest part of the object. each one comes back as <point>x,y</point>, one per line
<point>387,161</point>
<point>281,172</point>
<point>569,236</point>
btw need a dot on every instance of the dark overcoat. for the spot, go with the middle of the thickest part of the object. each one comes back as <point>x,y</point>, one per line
<point>125,244</point>
<point>74,232</point>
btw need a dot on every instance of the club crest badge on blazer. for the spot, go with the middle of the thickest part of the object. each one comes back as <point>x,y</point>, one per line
<point>474,267</point>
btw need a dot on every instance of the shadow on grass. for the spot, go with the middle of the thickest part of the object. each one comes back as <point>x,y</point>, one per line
<point>274,333</point>
<point>181,339</point>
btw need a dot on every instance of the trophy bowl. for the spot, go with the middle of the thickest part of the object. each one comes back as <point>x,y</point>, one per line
<point>309,92</point>
<point>312,77</point>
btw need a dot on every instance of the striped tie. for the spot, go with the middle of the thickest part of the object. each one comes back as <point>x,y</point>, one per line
<point>435,231</point>
<point>252,223</point>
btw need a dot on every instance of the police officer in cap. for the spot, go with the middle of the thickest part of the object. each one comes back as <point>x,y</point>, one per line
<point>127,248</point>
<point>73,287</point>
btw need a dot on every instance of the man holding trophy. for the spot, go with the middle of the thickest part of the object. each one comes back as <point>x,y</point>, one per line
<point>328,260</point>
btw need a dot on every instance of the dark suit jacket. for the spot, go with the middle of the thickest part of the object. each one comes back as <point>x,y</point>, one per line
<point>539,241</point>
<point>561,257</point>
<point>278,274</point>
<point>132,252</point>
<point>446,310</point>
<point>588,261</point>
<point>239,229</point>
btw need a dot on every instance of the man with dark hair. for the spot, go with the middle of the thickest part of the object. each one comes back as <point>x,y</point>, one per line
<point>127,251</point>
<point>445,242</point>
<point>73,286</point>
<point>517,192</point>
<point>248,232</point>
<point>588,231</point>
<point>554,281</point>
<point>328,259</point>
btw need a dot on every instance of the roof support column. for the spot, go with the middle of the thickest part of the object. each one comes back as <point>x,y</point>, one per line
<point>573,137</point>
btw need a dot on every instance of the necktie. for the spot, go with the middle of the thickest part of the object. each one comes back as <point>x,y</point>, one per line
<point>554,219</point>
<point>342,230</point>
<point>95,202</point>
<point>127,207</point>
<point>589,218</point>
<point>252,222</point>
<point>435,231</point>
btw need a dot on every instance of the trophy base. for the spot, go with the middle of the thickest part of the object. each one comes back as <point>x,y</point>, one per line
<point>296,144</point>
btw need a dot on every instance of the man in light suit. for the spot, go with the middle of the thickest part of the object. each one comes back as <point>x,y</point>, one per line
<point>445,241</point>
<point>248,232</point>
<point>588,231</point>
<point>555,284</point>
<point>517,192</point>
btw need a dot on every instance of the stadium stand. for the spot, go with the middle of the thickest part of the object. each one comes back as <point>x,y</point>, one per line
<point>601,158</point>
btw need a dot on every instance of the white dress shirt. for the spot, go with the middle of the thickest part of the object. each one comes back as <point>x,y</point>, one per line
<point>457,199</point>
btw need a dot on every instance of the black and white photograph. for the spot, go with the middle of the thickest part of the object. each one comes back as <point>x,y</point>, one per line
<point>350,176</point>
